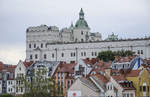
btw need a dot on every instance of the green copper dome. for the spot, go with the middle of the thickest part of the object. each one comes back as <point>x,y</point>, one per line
<point>81,22</point>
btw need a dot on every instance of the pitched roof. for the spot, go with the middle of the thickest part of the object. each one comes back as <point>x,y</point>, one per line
<point>88,83</point>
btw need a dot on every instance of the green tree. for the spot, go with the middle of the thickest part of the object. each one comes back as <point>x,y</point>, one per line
<point>40,85</point>
<point>6,95</point>
<point>110,55</point>
<point>106,56</point>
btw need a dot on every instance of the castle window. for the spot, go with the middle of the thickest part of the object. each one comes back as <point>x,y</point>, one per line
<point>81,53</point>
<point>92,53</point>
<point>41,45</point>
<point>62,55</point>
<point>45,56</point>
<point>29,45</point>
<point>30,56</point>
<point>82,40</point>
<point>84,53</point>
<point>52,55</point>
<point>36,56</point>
<point>81,32</point>
<point>141,51</point>
<point>34,45</point>
<point>95,53</point>
<point>138,52</point>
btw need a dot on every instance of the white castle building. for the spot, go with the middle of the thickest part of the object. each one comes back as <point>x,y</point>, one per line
<point>75,43</point>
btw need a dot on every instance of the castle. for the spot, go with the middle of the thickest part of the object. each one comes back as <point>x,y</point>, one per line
<point>75,42</point>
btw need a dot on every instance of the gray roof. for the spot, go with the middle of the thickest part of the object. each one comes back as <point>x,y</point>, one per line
<point>88,83</point>
<point>51,65</point>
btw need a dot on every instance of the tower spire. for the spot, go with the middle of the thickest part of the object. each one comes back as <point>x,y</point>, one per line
<point>81,14</point>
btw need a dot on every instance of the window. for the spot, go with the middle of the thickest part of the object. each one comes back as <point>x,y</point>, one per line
<point>52,55</point>
<point>81,53</point>
<point>20,68</point>
<point>92,53</point>
<point>138,51</point>
<point>131,95</point>
<point>84,53</point>
<point>62,55</point>
<point>34,45</point>
<point>21,89</point>
<point>141,51</point>
<point>140,88</point>
<point>81,32</point>
<point>82,40</point>
<point>45,56</point>
<point>29,45</point>
<point>144,88</point>
<point>30,56</point>
<point>36,56</point>
<point>95,53</point>
<point>41,45</point>
<point>73,54</point>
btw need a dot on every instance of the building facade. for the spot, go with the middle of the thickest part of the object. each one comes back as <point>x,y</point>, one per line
<point>76,42</point>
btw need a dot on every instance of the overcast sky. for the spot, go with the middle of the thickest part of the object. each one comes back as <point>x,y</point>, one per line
<point>126,18</point>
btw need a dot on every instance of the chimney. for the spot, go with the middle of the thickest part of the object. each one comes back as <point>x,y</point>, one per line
<point>108,72</point>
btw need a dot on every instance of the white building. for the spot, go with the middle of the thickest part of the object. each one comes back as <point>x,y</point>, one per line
<point>20,72</point>
<point>75,43</point>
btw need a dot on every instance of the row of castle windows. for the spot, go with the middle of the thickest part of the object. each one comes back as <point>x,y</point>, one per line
<point>72,54</point>
<point>34,45</point>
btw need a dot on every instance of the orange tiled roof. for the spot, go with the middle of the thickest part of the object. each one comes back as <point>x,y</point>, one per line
<point>66,67</point>
<point>133,73</point>
<point>123,59</point>
<point>27,64</point>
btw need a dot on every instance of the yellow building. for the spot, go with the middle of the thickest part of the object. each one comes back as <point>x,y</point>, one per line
<point>141,81</point>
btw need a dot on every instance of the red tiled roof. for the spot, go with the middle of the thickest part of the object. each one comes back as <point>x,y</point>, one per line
<point>64,67</point>
<point>91,61</point>
<point>27,64</point>
<point>133,73</point>
<point>123,59</point>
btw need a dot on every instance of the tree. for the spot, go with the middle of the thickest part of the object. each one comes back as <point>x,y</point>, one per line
<point>40,85</point>
<point>110,55</point>
<point>6,95</point>
<point>106,56</point>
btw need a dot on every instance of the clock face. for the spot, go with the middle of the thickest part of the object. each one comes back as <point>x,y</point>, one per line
<point>74,94</point>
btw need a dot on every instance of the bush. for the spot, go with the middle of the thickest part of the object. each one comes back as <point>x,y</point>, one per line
<point>6,95</point>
